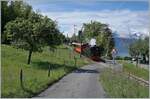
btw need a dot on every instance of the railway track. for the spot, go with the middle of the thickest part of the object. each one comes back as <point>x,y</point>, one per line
<point>118,68</point>
<point>141,81</point>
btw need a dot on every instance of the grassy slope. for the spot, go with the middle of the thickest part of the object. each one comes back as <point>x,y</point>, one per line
<point>140,72</point>
<point>36,74</point>
<point>118,86</point>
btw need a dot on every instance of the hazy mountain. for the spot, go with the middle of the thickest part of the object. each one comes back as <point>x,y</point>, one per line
<point>122,45</point>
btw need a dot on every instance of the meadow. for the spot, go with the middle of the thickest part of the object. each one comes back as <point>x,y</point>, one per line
<point>35,76</point>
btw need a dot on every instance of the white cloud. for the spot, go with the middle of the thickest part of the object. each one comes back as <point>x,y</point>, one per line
<point>118,20</point>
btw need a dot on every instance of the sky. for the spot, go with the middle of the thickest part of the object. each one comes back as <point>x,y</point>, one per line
<point>124,17</point>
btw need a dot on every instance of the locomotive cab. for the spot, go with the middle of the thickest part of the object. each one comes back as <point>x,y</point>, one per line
<point>95,53</point>
<point>95,50</point>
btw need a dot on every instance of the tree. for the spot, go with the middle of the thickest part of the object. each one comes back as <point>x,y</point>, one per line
<point>145,49</point>
<point>61,38</point>
<point>4,17</point>
<point>102,34</point>
<point>10,11</point>
<point>33,33</point>
<point>140,48</point>
<point>74,38</point>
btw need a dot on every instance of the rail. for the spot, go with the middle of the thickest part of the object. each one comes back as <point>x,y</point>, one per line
<point>138,79</point>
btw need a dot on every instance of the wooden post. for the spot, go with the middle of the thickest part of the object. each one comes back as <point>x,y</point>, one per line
<point>21,78</point>
<point>64,62</point>
<point>70,54</point>
<point>75,61</point>
<point>48,70</point>
<point>129,75</point>
<point>65,68</point>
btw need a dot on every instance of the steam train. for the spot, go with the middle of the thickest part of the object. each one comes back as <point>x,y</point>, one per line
<point>93,52</point>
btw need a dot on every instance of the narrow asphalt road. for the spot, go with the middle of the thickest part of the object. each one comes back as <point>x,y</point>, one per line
<point>82,83</point>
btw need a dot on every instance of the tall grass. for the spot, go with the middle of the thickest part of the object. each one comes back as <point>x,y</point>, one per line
<point>137,71</point>
<point>35,75</point>
<point>118,86</point>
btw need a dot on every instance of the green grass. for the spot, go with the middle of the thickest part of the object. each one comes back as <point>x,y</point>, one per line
<point>137,71</point>
<point>35,75</point>
<point>117,85</point>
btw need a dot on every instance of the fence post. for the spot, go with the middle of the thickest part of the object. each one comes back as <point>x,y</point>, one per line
<point>64,62</point>
<point>65,67</point>
<point>48,70</point>
<point>75,60</point>
<point>70,54</point>
<point>129,75</point>
<point>21,77</point>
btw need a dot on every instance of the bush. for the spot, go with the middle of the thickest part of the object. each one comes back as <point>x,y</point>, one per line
<point>119,58</point>
<point>127,58</point>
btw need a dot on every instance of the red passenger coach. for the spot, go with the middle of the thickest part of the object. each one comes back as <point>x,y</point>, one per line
<point>79,47</point>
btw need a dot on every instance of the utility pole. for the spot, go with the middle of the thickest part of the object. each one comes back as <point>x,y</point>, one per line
<point>80,38</point>
<point>75,31</point>
<point>68,39</point>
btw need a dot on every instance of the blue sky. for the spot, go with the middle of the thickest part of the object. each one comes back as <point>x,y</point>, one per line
<point>119,14</point>
<point>87,5</point>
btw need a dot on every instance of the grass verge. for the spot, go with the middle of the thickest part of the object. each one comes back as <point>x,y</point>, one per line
<point>117,85</point>
<point>140,72</point>
<point>35,75</point>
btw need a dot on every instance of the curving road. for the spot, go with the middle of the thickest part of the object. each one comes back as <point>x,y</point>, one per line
<point>82,83</point>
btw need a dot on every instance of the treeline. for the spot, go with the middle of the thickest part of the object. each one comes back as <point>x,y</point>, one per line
<point>140,49</point>
<point>27,29</point>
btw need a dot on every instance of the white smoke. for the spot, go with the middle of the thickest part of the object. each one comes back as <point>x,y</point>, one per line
<point>92,42</point>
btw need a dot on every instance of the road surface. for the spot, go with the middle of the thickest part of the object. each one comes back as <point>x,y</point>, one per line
<point>81,83</point>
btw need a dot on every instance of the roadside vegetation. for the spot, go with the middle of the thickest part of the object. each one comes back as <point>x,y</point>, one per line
<point>35,74</point>
<point>139,49</point>
<point>118,86</point>
<point>133,69</point>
